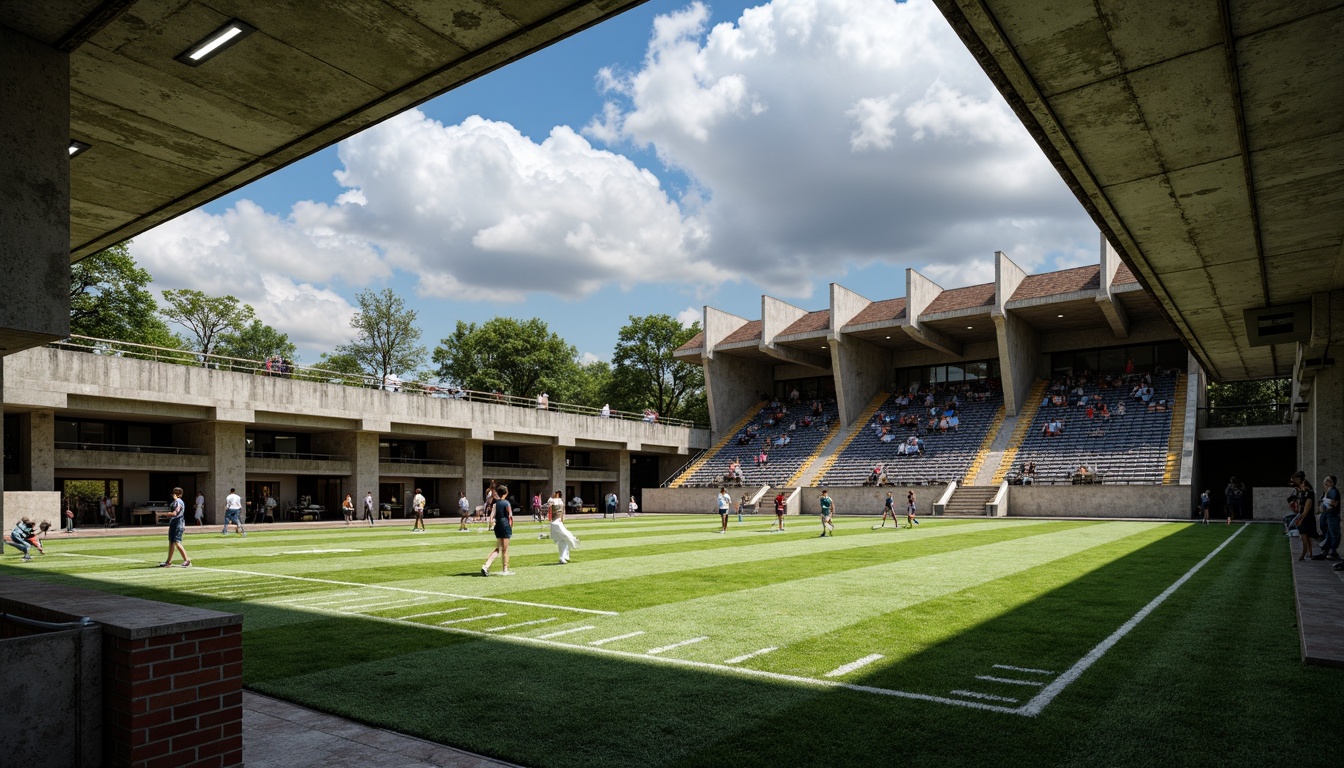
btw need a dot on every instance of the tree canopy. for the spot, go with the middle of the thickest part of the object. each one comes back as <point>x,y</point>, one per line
<point>386,339</point>
<point>207,318</point>
<point>517,357</point>
<point>257,341</point>
<point>110,299</point>
<point>645,375</point>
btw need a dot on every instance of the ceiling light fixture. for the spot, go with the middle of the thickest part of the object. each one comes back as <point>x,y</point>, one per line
<point>216,43</point>
<point>970,327</point>
<point>1058,315</point>
<point>77,147</point>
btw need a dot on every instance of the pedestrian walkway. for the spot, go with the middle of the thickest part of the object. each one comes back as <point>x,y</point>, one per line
<point>1319,591</point>
<point>277,734</point>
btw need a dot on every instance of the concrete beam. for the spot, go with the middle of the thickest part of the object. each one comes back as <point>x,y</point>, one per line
<point>862,369</point>
<point>1019,349</point>
<point>933,339</point>
<point>845,306</point>
<point>920,292</point>
<point>1007,277</point>
<point>1115,313</point>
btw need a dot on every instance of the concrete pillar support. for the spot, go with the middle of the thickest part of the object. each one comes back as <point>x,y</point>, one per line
<point>1019,345</point>
<point>225,445</point>
<point>39,466</point>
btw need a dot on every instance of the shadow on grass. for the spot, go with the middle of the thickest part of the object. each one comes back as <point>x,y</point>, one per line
<point>1210,678</point>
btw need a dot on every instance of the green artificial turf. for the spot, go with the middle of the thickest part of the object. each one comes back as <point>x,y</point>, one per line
<point>623,656</point>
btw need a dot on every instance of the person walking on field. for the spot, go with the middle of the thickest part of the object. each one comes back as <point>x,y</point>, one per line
<point>1205,502</point>
<point>564,540</point>
<point>779,513</point>
<point>536,508</point>
<point>501,514</point>
<point>368,507</point>
<point>612,501</point>
<point>632,508</point>
<point>889,508</point>
<point>200,508</point>
<point>1236,494</point>
<point>827,508</point>
<point>418,508</point>
<point>463,512</point>
<point>725,504</point>
<point>233,509</point>
<point>348,510</point>
<point>177,526</point>
<point>911,520</point>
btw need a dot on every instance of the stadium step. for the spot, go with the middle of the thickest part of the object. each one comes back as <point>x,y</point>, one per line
<point>712,452</point>
<point>1024,419</point>
<point>830,451</point>
<point>982,456</point>
<point>970,500</point>
<point>1176,442</point>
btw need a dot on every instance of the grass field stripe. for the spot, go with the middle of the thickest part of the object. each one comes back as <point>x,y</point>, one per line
<point>985,696</point>
<point>565,632</point>
<point>357,585</point>
<point>606,640</point>
<point>431,613</point>
<point>752,655</point>
<point>1042,699</point>
<point>520,624</point>
<point>1024,669</point>
<point>845,669</point>
<point>1008,680</point>
<point>666,648</point>
<point>472,618</point>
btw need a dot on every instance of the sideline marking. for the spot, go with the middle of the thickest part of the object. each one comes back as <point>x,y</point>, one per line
<point>308,552</point>
<point>752,655</point>
<point>1024,669</point>
<point>845,669</point>
<point>604,641</point>
<point>1041,700</point>
<point>520,624</point>
<point>985,696</point>
<point>1008,680</point>
<point>566,632</point>
<point>102,557</point>
<point>665,648</point>
<point>408,590</point>
<point>472,618</point>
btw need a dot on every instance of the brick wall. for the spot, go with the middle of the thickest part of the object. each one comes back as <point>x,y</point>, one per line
<point>174,700</point>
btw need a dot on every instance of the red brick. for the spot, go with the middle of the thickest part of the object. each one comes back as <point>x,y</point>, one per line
<point>231,629</point>
<point>196,738</point>
<point>227,718</point>
<point>221,688</point>
<point>218,644</point>
<point>172,699</point>
<point>196,708</point>
<point>151,687</point>
<point>172,760</point>
<point>234,699</point>
<point>198,677</point>
<point>176,666</point>
<point>188,648</point>
<point>231,670</point>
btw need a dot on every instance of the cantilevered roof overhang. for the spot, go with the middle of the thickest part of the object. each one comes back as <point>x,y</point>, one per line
<point>167,137</point>
<point>1204,138</point>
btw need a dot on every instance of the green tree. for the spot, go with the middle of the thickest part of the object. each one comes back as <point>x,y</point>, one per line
<point>645,375</point>
<point>386,339</point>
<point>207,318</point>
<point>587,384</point>
<point>257,341</point>
<point>110,299</point>
<point>517,357</point>
<point>334,368</point>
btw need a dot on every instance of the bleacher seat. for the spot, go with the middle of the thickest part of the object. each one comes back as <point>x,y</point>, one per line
<point>784,460</point>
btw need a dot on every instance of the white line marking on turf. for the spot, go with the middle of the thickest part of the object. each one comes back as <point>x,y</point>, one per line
<point>472,618</point>
<point>845,669</point>
<point>666,648</point>
<point>357,585</point>
<point>606,640</point>
<point>1009,680</point>
<point>387,601</point>
<point>985,696</point>
<point>752,655</point>
<point>1042,699</point>
<point>101,557</point>
<point>431,613</point>
<point>520,624</point>
<point>566,632</point>
<point>1024,669</point>
<point>308,552</point>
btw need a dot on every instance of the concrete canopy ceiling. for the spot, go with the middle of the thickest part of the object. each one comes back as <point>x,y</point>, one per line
<point>1204,138</point>
<point>167,137</point>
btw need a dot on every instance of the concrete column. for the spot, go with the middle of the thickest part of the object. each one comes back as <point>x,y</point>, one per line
<point>732,385</point>
<point>1019,350</point>
<point>1319,382</point>
<point>225,445</point>
<point>39,463</point>
<point>623,491</point>
<point>35,188</point>
<point>557,467</point>
<point>471,455</point>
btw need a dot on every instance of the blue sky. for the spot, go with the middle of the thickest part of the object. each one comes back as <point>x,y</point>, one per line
<point>677,155</point>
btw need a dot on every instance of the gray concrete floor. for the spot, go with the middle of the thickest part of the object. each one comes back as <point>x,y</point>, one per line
<point>277,734</point>
<point>1319,590</point>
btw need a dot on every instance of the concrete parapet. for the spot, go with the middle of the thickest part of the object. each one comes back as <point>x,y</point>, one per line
<point>1102,501</point>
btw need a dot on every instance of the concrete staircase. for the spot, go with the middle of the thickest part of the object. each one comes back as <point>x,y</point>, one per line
<point>985,455</point>
<point>970,499</point>
<point>1172,475</point>
<point>1024,419</point>
<point>830,450</point>
<point>728,434</point>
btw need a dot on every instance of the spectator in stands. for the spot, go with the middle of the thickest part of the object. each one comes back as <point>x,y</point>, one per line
<point>764,458</point>
<point>794,397</point>
<point>1305,522</point>
<point>875,477</point>
<point>1105,413</point>
<point>1235,493</point>
<point>1330,519</point>
<point>606,411</point>
<point>1089,412</point>
<point>1029,473</point>
<point>1120,409</point>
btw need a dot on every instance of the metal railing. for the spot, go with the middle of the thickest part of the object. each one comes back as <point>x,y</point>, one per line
<point>322,375</point>
<point>126,448</point>
<point>299,456</point>
<point>1259,415</point>
<point>80,623</point>
<point>414,460</point>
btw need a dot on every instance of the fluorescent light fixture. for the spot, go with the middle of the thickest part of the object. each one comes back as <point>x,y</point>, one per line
<point>77,147</point>
<point>1058,315</point>
<point>970,327</point>
<point>216,43</point>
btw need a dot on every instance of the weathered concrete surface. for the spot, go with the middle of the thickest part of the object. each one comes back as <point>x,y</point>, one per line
<point>1152,501</point>
<point>53,698</point>
<point>39,505</point>
<point>1018,343</point>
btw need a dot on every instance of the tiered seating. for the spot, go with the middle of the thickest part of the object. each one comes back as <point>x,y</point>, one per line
<point>784,460</point>
<point>1129,449</point>
<point>947,455</point>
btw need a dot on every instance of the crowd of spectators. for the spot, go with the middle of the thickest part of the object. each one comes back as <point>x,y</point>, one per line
<point>926,410</point>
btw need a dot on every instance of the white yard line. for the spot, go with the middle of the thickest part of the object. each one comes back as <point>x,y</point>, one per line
<point>382,604</point>
<point>102,557</point>
<point>431,613</point>
<point>472,618</point>
<point>752,655</point>
<point>565,632</point>
<point>1024,669</point>
<point>845,669</point>
<point>606,640</point>
<point>1009,680</point>
<point>1043,699</point>
<point>666,648</point>
<point>410,591</point>
<point>985,696</point>
<point>520,624</point>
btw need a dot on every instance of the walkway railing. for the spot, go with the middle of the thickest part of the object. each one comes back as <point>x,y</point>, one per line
<point>289,370</point>
<point>1259,415</point>
<point>125,448</point>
